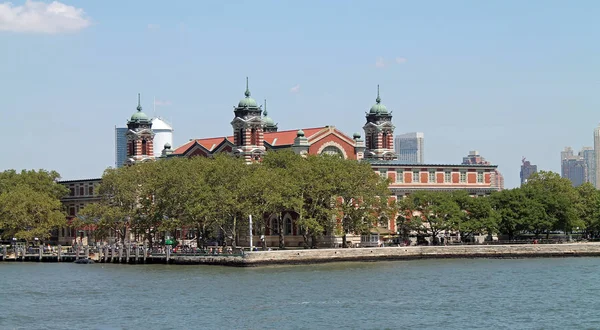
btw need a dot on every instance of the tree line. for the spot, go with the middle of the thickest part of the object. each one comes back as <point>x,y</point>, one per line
<point>213,198</point>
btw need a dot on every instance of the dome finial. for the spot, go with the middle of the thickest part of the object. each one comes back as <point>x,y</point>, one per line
<point>378,99</point>
<point>265,111</point>
<point>247,93</point>
<point>139,107</point>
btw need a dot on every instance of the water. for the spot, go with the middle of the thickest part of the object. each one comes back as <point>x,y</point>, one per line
<point>561,293</point>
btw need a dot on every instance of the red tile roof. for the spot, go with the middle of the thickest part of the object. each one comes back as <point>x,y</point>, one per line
<point>274,139</point>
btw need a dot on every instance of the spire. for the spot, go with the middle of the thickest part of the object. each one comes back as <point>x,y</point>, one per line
<point>247,93</point>
<point>265,111</point>
<point>139,107</point>
<point>378,99</point>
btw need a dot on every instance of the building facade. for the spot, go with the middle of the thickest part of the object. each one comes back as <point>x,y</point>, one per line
<point>474,158</point>
<point>81,193</point>
<point>120,146</point>
<point>527,169</point>
<point>410,147</point>
<point>578,168</point>
<point>140,137</point>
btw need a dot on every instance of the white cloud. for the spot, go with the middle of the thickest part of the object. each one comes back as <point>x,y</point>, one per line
<point>380,62</point>
<point>40,17</point>
<point>162,102</point>
<point>295,89</point>
<point>401,60</point>
<point>153,26</point>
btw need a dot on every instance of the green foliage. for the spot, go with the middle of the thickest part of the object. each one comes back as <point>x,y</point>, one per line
<point>30,204</point>
<point>215,196</point>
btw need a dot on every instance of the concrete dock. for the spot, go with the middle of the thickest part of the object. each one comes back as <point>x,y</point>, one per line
<point>307,256</point>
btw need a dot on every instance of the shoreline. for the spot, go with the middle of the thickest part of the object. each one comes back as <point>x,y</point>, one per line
<point>314,256</point>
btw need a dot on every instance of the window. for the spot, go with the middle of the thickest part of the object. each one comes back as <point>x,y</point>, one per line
<point>274,226</point>
<point>383,173</point>
<point>72,211</point>
<point>447,177</point>
<point>332,150</point>
<point>91,190</point>
<point>288,226</point>
<point>399,176</point>
<point>81,191</point>
<point>144,147</point>
<point>71,191</point>
<point>415,176</point>
<point>431,176</point>
<point>253,137</point>
<point>479,177</point>
<point>132,148</point>
<point>463,176</point>
<point>384,140</point>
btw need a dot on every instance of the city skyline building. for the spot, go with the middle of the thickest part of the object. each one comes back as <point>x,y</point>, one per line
<point>597,156</point>
<point>572,167</point>
<point>578,168</point>
<point>410,147</point>
<point>120,146</point>
<point>527,169</point>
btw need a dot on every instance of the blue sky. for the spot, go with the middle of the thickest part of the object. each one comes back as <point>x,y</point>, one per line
<point>507,78</point>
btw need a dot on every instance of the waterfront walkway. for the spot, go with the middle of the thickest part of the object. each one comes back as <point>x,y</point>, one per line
<point>114,254</point>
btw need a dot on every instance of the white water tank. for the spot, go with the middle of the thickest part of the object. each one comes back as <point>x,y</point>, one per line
<point>163,133</point>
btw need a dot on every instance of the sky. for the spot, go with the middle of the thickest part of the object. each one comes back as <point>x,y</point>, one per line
<point>510,79</point>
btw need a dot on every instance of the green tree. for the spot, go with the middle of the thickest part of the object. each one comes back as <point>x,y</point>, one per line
<point>432,212</point>
<point>477,215</point>
<point>588,209</point>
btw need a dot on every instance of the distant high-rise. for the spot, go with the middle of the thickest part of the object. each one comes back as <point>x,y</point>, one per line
<point>474,158</point>
<point>527,169</point>
<point>597,156</point>
<point>120,146</point>
<point>409,147</point>
<point>578,168</point>
<point>589,157</point>
<point>572,167</point>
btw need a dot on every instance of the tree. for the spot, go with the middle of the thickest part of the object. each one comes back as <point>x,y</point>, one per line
<point>30,204</point>
<point>517,212</point>
<point>477,215</point>
<point>559,200</point>
<point>432,212</point>
<point>588,209</point>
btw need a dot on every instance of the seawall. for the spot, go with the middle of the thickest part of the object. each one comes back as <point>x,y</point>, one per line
<point>418,252</point>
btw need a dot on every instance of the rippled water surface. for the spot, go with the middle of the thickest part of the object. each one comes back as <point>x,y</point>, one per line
<point>562,293</point>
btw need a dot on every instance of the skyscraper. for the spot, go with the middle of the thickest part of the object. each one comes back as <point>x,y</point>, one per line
<point>597,156</point>
<point>120,146</point>
<point>409,147</point>
<point>572,167</point>
<point>589,157</point>
<point>527,169</point>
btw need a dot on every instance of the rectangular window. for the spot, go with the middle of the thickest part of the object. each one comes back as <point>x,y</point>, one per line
<point>81,191</point>
<point>383,173</point>
<point>431,176</point>
<point>91,190</point>
<point>463,176</point>
<point>399,176</point>
<point>71,191</point>
<point>415,177</point>
<point>447,177</point>
<point>479,177</point>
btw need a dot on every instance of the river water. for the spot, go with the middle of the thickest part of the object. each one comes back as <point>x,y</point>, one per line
<point>556,293</point>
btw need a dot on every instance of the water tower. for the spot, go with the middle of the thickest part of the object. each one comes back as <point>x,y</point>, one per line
<point>163,133</point>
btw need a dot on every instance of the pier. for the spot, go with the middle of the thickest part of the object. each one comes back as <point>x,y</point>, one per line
<point>141,255</point>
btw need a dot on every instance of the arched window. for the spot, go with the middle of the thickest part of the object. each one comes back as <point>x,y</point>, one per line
<point>288,226</point>
<point>253,137</point>
<point>332,150</point>
<point>241,137</point>
<point>132,148</point>
<point>144,147</point>
<point>274,226</point>
<point>384,140</point>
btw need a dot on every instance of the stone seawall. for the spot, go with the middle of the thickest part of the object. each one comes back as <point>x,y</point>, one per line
<point>418,252</point>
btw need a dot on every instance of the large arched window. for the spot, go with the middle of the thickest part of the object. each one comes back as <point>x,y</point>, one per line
<point>253,137</point>
<point>384,140</point>
<point>332,150</point>
<point>274,226</point>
